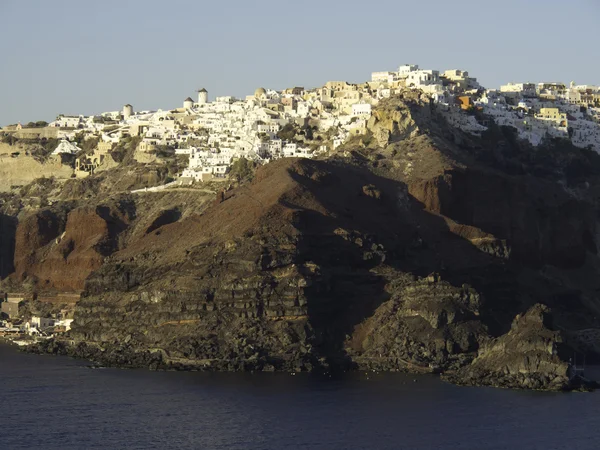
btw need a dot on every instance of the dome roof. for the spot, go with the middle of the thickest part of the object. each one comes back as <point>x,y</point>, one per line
<point>189,100</point>
<point>202,90</point>
<point>260,92</point>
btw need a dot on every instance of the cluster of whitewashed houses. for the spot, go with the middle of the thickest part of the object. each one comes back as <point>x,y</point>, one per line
<point>214,134</point>
<point>11,307</point>
<point>543,110</point>
<point>536,111</point>
<point>35,326</point>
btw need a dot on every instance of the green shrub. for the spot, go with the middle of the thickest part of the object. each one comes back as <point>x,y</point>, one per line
<point>242,170</point>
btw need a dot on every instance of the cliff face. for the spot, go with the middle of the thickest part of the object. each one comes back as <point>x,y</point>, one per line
<point>262,280</point>
<point>313,265</point>
<point>59,250</point>
<point>8,227</point>
<point>415,254</point>
<point>542,222</point>
<point>18,168</point>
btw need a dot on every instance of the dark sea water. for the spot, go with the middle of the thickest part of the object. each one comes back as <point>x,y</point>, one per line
<point>58,403</point>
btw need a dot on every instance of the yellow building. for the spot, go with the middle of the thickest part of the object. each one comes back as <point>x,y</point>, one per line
<point>553,114</point>
<point>104,147</point>
<point>465,102</point>
<point>145,146</point>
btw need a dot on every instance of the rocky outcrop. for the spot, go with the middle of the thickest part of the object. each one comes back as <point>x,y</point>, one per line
<point>388,125</point>
<point>427,325</point>
<point>526,357</point>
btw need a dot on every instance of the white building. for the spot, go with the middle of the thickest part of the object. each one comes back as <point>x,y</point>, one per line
<point>225,99</point>
<point>41,322</point>
<point>270,127</point>
<point>206,173</point>
<point>361,109</point>
<point>64,323</point>
<point>405,69</point>
<point>303,109</point>
<point>127,111</point>
<point>202,96</point>
<point>526,89</point>
<point>292,150</point>
<point>418,78</point>
<point>275,146</point>
<point>66,147</point>
<point>185,151</point>
<point>63,121</point>
<point>382,77</point>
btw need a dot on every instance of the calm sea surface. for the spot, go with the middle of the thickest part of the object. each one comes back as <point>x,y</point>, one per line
<point>58,403</point>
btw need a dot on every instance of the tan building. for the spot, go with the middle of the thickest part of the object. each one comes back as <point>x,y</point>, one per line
<point>553,114</point>
<point>16,297</point>
<point>146,146</point>
<point>104,147</point>
<point>340,86</point>
<point>37,133</point>
<point>12,305</point>
<point>138,129</point>
<point>289,101</point>
<point>11,309</point>
<point>277,107</point>
<point>294,91</point>
<point>89,163</point>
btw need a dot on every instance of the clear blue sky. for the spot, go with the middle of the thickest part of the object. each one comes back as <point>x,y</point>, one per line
<point>83,56</point>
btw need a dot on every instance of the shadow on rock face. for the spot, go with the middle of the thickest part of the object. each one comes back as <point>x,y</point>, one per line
<point>8,229</point>
<point>372,251</point>
<point>366,234</point>
<point>540,221</point>
<point>164,218</point>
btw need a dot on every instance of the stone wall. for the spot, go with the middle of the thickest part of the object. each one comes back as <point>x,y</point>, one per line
<point>37,133</point>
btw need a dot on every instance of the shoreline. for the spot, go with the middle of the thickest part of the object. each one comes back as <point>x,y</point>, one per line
<point>157,360</point>
<point>20,340</point>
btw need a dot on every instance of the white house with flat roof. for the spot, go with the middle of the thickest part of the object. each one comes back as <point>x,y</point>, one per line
<point>405,69</point>
<point>382,77</point>
<point>418,78</point>
<point>362,109</point>
<point>526,89</point>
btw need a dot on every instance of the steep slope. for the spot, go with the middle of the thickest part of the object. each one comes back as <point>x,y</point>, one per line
<point>60,251</point>
<point>57,247</point>
<point>255,268</point>
<point>8,226</point>
<point>413,249</point>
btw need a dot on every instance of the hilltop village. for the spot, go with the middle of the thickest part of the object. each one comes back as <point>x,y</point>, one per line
<point>299,122</point>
